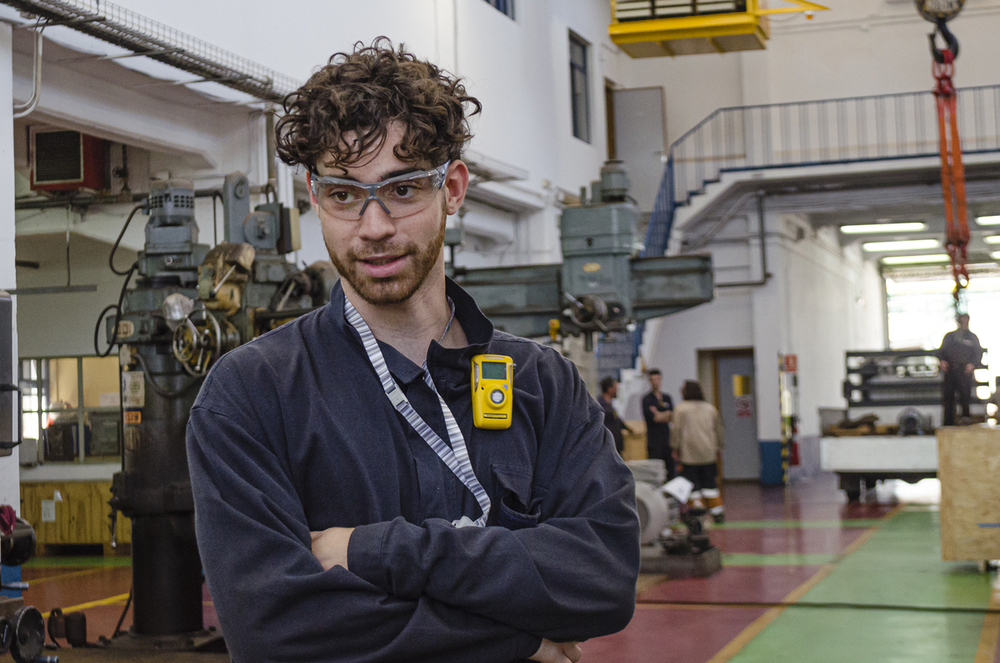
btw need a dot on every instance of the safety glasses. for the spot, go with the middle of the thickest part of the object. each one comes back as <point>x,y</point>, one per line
<point>399,196</point>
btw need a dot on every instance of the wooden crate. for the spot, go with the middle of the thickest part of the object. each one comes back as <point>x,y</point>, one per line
<point>81,516</point>
<point>635,443</point>
<point>969,469</point>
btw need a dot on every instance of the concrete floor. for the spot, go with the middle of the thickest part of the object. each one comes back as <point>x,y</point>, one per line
<point>806,577</point>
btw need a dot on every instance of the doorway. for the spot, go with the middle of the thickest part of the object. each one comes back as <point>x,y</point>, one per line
<point>729,382</point>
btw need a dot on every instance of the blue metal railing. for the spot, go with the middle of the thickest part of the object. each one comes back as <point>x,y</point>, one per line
<point>824,132</point>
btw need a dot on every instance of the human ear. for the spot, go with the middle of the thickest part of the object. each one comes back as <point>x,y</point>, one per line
<point>456,183</point>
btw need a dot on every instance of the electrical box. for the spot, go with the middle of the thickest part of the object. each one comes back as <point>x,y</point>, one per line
<point>63,160</point>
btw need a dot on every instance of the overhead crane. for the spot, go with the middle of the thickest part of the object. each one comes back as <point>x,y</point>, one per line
<point>656,28</point>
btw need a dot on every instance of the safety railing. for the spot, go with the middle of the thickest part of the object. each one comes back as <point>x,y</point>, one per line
<point>829,131</point>
<point>644,10</point>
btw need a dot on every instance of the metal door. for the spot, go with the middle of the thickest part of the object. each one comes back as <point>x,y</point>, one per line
<point>737,404</point>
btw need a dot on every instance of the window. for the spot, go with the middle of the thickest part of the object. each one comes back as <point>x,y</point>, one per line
<point>54,413</point>
<point>920,310</point>
<point>579,87</point>
<point>505,6</point>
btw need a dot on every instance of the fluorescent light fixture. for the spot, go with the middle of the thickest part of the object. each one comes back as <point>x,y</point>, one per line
<point>988,220</point>
<point>902,245</point>
<point>913,260</point>
<point>992,239</point>
<point>995,255</point>
<point>866,228</point>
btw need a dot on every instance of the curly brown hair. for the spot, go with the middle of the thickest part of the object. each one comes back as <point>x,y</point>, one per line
<point>364,92</point>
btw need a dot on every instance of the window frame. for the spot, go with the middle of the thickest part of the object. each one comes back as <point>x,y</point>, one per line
<point>505,7</point>
<point>579,76</point>
<point>37,385</point>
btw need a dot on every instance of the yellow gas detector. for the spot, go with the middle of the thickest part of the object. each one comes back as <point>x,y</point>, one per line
<point>492,391</point>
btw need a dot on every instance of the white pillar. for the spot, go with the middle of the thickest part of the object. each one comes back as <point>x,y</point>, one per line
<point>10,488</point>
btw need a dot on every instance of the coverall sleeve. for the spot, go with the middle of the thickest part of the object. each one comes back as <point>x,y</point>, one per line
<point>570,577</point>
<point>274,600</point>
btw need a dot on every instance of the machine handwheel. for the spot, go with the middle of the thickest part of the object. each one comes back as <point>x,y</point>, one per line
<point>195,345</point>
<point>29,635</point>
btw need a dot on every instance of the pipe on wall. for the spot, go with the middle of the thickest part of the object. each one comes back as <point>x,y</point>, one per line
<point>764,274</point>
<point>20,110</point>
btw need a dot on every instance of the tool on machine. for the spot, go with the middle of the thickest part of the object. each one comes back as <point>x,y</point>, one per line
<point>492,391</point>
<point>940,12</point>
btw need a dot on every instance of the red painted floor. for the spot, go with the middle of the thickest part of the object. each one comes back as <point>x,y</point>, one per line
<point>682,621</point>
<point>785,541</point>
<point>657,635</point>
<point>738,584</point>
<point>662,631</point>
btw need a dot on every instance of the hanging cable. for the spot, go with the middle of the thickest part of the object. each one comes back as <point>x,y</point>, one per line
<point>111,258</point>
<point>952,170</point>
<point>118,313</point>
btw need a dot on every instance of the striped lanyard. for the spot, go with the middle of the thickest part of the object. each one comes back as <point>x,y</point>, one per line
<point>456,457</point>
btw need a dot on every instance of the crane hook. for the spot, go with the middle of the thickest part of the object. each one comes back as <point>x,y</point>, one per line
<point>949,54</point>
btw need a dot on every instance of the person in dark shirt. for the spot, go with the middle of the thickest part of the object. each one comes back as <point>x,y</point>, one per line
<point>347,508</point>
<point>960,354</point>
<point>614,423</point>
<point>657,410</point>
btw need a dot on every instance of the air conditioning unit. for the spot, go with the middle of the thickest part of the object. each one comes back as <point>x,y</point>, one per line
<point>63,160</point>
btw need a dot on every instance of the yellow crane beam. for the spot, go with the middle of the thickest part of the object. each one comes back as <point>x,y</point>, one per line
<point>721,32</point>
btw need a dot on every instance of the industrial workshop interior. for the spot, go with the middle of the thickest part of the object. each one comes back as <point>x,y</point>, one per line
<point>790,203</point>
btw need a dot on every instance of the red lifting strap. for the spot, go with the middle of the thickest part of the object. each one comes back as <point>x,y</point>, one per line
<point>952,172</point>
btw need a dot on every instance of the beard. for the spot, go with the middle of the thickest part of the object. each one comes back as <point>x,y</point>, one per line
<point>399,287</point>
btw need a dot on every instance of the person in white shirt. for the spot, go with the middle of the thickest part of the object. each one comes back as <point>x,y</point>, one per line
<point>698,437</point>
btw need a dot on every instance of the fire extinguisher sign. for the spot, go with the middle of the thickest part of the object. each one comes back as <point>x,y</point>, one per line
<point>791,363</point>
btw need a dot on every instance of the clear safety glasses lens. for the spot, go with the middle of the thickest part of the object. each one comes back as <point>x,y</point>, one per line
<point>398,196</point>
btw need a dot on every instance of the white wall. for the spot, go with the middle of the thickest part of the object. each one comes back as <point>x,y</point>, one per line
<point>63,323</point>
<point>860,47</point>
<point>820,301</point>
<point>518,69</point>
<point>817,304</point>
<point>10,492</point>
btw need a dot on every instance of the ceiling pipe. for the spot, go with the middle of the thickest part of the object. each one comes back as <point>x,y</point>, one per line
<point>36,91</point>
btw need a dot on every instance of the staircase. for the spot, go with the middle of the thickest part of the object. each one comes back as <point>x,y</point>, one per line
<point>827,132</point>
<point>814,133</point>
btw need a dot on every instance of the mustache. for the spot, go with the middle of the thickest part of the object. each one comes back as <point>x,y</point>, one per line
<point>381,249</point>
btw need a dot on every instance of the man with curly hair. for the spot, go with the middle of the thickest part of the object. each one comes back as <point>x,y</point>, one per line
<point>347,507</point>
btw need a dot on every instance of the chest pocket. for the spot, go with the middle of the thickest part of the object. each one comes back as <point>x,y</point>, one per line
<point>515,509</point>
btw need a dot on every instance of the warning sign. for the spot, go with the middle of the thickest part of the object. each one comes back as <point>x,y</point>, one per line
<point>133,390</point>
<point>744,407</point>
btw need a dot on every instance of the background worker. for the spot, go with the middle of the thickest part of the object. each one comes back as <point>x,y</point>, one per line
<point>657,410</point>
<point>698,437</point>
<point>350,503</point>
<point>613,422</point>
<point>960,355</point>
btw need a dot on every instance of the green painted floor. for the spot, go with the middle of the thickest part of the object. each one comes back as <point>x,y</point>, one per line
<point>928,611</point>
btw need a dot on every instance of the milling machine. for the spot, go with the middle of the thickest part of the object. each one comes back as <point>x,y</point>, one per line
<point>190,305</point>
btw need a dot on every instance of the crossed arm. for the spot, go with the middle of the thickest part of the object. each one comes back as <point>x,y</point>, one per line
<point>661,416</point>
<point>407,591</point>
